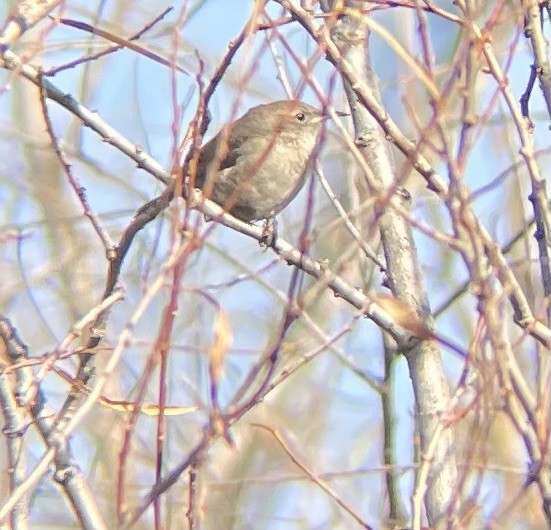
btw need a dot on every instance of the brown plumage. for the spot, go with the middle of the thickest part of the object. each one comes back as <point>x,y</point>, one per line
<point>256,165</point>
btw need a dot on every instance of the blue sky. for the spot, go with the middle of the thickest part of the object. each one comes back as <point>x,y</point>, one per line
<point>133,94</point>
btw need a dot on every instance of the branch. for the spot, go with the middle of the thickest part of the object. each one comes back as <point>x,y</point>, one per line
<point>24,15</point>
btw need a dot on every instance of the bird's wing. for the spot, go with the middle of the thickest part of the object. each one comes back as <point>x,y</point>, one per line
<point>208,153</point>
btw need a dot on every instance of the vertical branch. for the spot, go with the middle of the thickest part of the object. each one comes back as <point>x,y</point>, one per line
<point>534,31</point>
<point>68,474</point>
<point>163,349</point>
<point>431,391</point>
<point>13,350</point>
<point>396,513</point>
<point>193,513</point>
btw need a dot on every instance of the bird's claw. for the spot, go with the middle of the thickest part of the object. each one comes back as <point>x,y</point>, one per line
<point>269,232</point>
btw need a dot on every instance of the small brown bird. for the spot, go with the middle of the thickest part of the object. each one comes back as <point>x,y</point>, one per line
<point>257,164</point>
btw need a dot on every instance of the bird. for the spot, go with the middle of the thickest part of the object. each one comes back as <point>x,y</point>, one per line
<point>255,166</point>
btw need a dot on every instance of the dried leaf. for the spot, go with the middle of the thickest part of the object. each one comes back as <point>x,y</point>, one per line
<point>223,337</point>
<point>147,409</point>
<point>404,315</point>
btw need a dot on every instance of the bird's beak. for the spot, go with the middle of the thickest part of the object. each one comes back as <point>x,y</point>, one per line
<point>338,112</point>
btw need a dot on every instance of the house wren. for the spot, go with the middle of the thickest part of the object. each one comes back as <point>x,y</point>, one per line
<point>257,164</point>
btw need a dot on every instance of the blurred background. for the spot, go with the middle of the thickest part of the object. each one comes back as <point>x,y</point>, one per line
<point>331,411</point>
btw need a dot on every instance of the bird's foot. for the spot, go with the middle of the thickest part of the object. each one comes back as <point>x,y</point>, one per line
<point>269,232</point>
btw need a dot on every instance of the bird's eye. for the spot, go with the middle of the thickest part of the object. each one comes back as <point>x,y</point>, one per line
<point>301,116</point>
